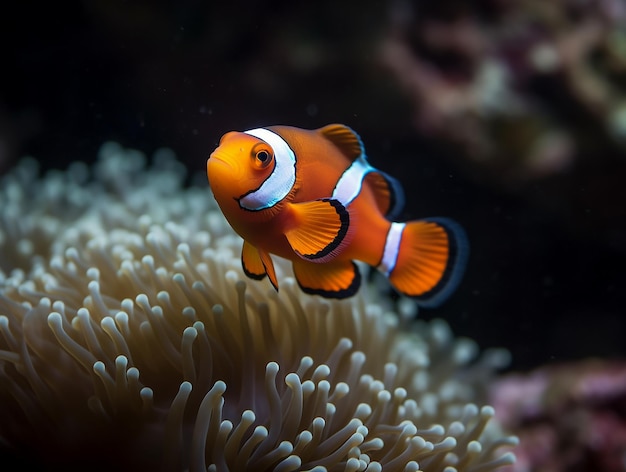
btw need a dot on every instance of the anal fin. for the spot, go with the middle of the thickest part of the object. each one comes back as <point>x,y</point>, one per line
<point>338,279</point>
<point>319,230</point>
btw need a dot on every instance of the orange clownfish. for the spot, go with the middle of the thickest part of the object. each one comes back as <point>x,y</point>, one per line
<point>311,196</point>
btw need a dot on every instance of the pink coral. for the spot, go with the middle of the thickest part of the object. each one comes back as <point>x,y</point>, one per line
<point>568,417</point>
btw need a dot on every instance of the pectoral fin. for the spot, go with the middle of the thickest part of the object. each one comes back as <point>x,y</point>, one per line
<point>257,264</point>
<point>319,229</point>
<point>339,279</point>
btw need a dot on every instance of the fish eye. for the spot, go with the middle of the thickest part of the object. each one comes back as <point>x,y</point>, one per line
<point>262,156</point>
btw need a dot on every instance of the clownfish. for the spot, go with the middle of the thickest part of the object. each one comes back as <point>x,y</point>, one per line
<point>311,196</point>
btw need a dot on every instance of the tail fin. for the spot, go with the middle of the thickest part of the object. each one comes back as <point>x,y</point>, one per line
<point>426,259</point>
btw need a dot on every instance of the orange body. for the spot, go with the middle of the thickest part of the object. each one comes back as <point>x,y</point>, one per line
<point>320,164</point>
<point>311,197</point>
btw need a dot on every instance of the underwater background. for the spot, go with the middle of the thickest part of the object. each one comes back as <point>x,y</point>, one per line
<point>546,273</point>
<point>508,116</point>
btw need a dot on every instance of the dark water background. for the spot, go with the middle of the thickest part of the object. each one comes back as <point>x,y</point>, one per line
<point>546,276</point>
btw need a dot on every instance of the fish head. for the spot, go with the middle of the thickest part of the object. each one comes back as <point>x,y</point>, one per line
<point>238,166</point>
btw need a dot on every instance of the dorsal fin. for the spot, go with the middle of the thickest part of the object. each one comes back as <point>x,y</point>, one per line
<point>388,193</point>
<point>348,142</point>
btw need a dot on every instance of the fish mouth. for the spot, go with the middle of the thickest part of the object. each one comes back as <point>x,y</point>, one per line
<point>220,171</point>
<point>216,158</point>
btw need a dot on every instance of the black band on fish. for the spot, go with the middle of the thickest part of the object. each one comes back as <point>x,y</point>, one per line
<point>252,275</point>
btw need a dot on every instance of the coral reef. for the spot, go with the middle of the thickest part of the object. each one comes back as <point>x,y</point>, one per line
<point>130,340</point>
<point>568,416</point>
<point>524,89</point>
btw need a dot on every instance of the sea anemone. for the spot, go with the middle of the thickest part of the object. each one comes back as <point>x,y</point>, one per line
<point>130,339</point>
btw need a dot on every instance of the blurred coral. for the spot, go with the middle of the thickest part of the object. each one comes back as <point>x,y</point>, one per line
<point>522,88</point>
<point>569,417</point>
<point>129,340</point>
